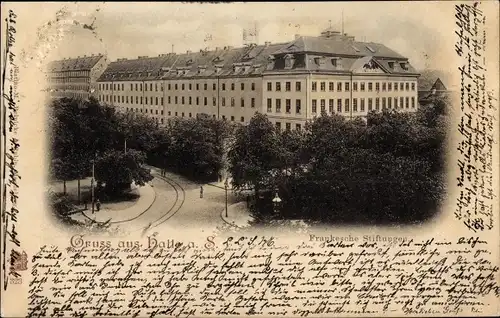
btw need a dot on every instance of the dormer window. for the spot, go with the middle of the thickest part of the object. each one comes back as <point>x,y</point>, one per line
<point>289,59</point>
<point>404,66</point>
<point>189,62</point>
<point>218,68</point>
<point>391,65</point>
<point>370,49</point>
<point>334,62</point>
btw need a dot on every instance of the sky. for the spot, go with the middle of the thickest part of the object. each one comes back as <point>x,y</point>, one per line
<point>421,31</point>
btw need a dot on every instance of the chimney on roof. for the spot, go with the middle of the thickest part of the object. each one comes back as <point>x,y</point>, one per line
<point>188,52</point>
<point>297,36</point>
<point>267,43</point>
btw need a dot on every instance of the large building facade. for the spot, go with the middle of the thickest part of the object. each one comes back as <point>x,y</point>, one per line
<point>75,77</point>
<point>290,82</point>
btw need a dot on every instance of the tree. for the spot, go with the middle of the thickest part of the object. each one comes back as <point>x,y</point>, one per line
<point>254,156</point>
<point>117,170</point>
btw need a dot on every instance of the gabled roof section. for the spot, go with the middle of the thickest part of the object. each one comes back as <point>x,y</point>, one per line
<point>85,63</point>
<point>338,46</point>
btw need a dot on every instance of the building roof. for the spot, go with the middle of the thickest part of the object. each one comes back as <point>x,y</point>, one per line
<point>429,78</point>
<point>338,45</point>
<point>309,54</point>
<point>84,63</point>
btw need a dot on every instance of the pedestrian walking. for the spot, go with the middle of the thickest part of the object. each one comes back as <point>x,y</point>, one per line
<point>98,205</point>
<point>201,192</point>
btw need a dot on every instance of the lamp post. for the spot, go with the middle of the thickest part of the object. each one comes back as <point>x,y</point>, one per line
<point>276,203</point>
<point>225,188</point>
<point>92,185</point>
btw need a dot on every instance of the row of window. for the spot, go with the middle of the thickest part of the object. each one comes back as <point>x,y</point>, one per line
<point>190,115</point>
<point>70,80</point>
<point>387,103</point>
<point>150,87</point>
<point>404,102</point>
<point>70,74</point>
<point>386,86</point>
<point>73,87</point>
<point>158,101</point>
<point>288,126</point>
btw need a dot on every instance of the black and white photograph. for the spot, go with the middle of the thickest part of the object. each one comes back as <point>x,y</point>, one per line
<point>324,122</point>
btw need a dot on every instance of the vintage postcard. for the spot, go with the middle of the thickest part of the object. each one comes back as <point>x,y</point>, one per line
<point>305,159</point>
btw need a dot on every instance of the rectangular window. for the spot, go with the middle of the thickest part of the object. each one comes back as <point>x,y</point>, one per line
<point>288,86</point>
<point>298,127</point>
<point>355,105</point>
<point>355,86</point>
<point>269,86</point>
<point>253,86</point>
<point>242,86</point>
<point>389,102</point>
<point>205,86</point>
<point>346,106</point>
<point>205,101</point>
<point>314,106</point>
<point>288,106</point>
<point>377,86</point>
<point>377,103</point>
<point>370,104</point>
<point>151,87</point>
<point>322,86</point>
<point>214,86</point>
<point>223,101</point>
<point>362,86</point>
<point>242,102</point>
<point>407,102</point>
<point>156,87</point>
<point>384,106</point>
<point>214,101</point>
<point>182,100</point>
<point>401,86</point>
<point>288,126</point>
<point>176,100</point>
<point>141,101</point>
<point>278,86</point>
<point>232,101</point>
<point>346,86</point>
<point>278,105</point>
<point>190,100</point>
<point>395,102</point>
<point>223,86</point>
<point>339,87</point>
<point>395,86</point>
<point>297,106</point>
<point>370,86</point>
<point>412,86</point>
<point>401,102</point>
<point>314,86</point>
<point>232,86</point>
<point>182,87</point>
<point>162,101</point>
<point>252,102</point>
<point>169,100</point>
<point>322,105</point>
<point>156,101</point>
<point>197,86</point>
<point>413,102</point>
<point>145,87</point>
<point>177,87</point>
<point>389,87</point>
<point>242,119</point>
<point>407,86</point>
<point>330,86</point>
<point>197,100</point>
<point>297,86</point>
<point>126,99</point>
<point>169,87</point>
<point>339,105</point>
<point>362,105</point>
<point>269,105</point>
<point>137,100</point>
<point>145,100</point>
<point>190,86</point>
<point>331,106</point>
<point>131,86</point>
<point>278,125</point>
<point>383,86</point>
